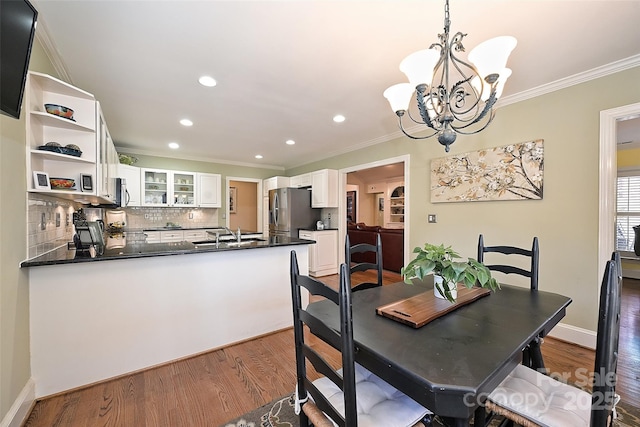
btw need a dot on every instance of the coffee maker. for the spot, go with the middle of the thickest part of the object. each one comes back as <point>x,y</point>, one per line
<point>88,233</point>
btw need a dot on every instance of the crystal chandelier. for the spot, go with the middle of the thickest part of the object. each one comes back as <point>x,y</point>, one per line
<point>453,96</point>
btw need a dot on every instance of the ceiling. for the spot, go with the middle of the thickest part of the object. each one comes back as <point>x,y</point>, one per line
<point>285,68</point>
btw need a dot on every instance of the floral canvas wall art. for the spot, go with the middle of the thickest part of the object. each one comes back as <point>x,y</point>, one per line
<point>512,172</point>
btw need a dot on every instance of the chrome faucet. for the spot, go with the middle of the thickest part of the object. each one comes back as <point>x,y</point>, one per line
<point>237,235</point>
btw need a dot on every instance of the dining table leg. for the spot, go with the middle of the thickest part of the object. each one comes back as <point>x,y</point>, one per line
<point>480,416</point>
<point>535,355</point>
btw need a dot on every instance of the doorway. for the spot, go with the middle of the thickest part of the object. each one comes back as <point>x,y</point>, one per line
<point>607,178</point>
<point>367,208</point>
<point>244,204</point>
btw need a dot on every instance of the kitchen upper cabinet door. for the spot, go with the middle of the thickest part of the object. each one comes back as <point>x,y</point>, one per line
<point>324,188</point>
<point>107,159</point>
<point>132,176</point>
<point>154,187</point>
<point>300,181</point>
<point>273,183</point>
<point>184,189</point>
<point>209,190</point>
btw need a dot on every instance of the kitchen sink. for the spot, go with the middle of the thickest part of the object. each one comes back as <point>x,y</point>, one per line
<point>229,243</point>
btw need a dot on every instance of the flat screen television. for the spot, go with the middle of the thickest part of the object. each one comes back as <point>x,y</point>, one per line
<point>17,30</point>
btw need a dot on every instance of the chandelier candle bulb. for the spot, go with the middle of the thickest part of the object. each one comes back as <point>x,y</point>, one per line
<point>453,96</point>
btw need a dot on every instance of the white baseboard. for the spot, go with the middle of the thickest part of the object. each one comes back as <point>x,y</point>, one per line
<point>631,274</point>
<point>19,411</point>
<point>575,335</point>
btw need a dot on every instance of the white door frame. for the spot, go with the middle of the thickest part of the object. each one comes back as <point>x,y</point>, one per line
<point>607,179</point>
<point>342,201</point>
<point>258,199</point>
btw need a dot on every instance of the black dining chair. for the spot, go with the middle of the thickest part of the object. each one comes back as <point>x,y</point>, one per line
<point>533,254</point>
<point>364,248</point>
<point>332,397</point>
<point>531,355</point>
<point>531,398</point>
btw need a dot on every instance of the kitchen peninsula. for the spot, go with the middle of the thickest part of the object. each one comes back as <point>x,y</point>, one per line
<point>125,310</point>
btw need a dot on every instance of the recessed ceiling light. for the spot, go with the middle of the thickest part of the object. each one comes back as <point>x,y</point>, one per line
<point>339,118</point>
<point>174,145</point>
<point>207,81</point>
<point>186,122</point>
<point>258,156</point>
<point>290,142</point>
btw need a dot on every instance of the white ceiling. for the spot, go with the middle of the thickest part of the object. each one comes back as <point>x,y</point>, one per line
<point>284,68</point>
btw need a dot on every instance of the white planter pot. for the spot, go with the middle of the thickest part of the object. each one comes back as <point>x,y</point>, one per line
<point>437,283</point>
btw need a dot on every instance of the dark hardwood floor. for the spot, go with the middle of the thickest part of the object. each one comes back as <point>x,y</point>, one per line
<point>212,388</point>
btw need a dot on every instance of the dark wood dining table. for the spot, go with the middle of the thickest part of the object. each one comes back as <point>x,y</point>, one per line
<point>452,363</point>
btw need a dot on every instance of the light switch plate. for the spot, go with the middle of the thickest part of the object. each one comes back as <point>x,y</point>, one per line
<point>432,218</point>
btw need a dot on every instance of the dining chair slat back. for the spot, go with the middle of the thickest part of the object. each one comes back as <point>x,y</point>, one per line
<point>365,266</point>
<point>608,336</point>
<point>533,254</point>
<point>550,407</point>
<point>332,397</point>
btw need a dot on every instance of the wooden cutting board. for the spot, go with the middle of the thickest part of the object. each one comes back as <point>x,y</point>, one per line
<point>421,309</point>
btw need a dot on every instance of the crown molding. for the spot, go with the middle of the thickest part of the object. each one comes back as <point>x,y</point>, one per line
<point>127,150</point>
<point>42,34</point>
<point>585,76</point>
<point>50,49</point>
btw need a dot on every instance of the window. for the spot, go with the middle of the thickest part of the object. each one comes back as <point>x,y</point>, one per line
<point>628,209</point>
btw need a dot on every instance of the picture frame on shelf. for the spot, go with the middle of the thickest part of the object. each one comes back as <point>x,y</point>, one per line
<point>86,182</point>
<point>41,181</point>
<point>233,195</point>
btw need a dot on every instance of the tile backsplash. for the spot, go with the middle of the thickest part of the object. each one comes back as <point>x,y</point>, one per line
<point>50,220</point>
<point>139,218</point>
<point>49,223</point>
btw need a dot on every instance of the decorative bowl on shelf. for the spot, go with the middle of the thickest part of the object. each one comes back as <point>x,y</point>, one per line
<point>62,183</point>
<point>71,149</point>
<point>59,110</point>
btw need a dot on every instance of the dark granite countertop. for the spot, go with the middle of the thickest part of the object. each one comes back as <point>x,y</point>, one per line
<point>168,228</point>
<point>138,249</point>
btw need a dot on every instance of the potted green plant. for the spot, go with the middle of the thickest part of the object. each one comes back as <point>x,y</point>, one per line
<point>441,261</point>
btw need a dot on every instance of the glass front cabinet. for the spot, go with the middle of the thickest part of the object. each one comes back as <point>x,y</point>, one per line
<point>168,188</point>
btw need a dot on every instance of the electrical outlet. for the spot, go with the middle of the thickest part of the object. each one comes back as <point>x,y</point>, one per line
<point>43,221</point>
<point>432,218</point>
<point>57,219</point>
<point>190,215</point>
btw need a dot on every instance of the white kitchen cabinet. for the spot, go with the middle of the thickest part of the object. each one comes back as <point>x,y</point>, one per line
<point>194,235</point>
<point>152,236</point>
<point>168,188</point>
<point>209,190</point>
<point>300,181</point>
<point>132,176</point>
<point>323,255</point>
<point>43,128</point>
<point>171,236</point>
<point>107,159</point>
<point>324,188</point>
<point>273,183</point>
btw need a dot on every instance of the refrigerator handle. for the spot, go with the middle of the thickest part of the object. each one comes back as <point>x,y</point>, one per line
<point>276,207</point>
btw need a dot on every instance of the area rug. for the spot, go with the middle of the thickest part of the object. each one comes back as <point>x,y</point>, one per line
<point>280,413</point>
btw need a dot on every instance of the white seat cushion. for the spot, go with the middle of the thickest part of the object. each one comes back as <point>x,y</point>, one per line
<point>378,403</point>
<point>542,399</point>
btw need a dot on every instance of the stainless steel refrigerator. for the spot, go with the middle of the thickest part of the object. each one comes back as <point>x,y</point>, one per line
<point>290,210</point>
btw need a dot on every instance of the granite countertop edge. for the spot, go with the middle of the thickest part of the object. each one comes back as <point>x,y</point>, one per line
<point>63,255</point>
